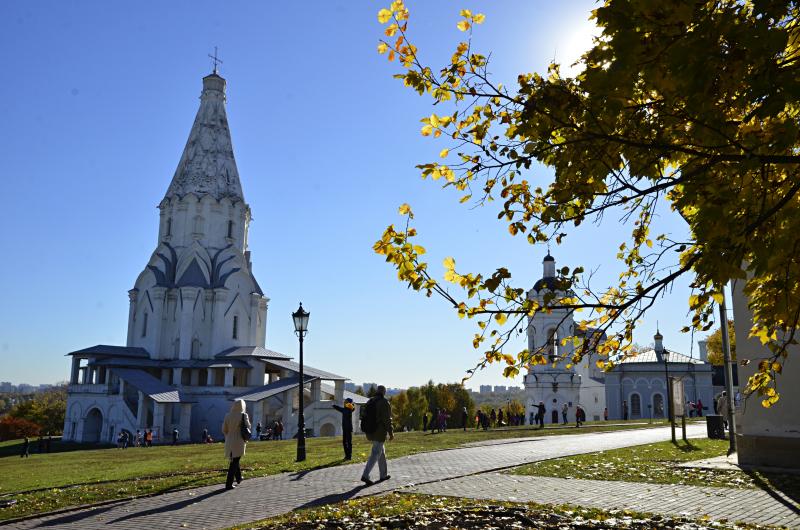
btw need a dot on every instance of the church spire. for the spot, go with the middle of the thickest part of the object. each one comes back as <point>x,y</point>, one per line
<point>207,165</point>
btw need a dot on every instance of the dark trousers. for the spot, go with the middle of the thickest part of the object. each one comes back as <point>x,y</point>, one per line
<point>540,420</point>
<point>233,472</point>
<point>347,444</point>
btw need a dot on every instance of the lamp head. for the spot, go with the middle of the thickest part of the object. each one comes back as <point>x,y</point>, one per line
<point>300,318</point>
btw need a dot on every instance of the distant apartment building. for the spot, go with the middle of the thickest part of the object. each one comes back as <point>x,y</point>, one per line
<point>500,388</point>
<point>486,389</point>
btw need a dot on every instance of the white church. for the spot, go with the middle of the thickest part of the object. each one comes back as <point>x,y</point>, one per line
<point>197,319</point>
<point>637,384</point>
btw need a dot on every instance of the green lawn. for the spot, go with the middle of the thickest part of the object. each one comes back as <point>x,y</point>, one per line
<point>422,511</point>
<point>657,463</point>
<point>46,482</point>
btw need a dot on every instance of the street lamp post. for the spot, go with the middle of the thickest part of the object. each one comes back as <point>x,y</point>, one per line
<point>300,318</point>
<point>665,355</point>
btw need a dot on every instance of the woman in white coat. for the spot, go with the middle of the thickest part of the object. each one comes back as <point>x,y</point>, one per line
<point>234,443</point>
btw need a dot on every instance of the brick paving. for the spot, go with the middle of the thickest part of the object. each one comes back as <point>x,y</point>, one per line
<point>745,505</point>
<point>211,507</point>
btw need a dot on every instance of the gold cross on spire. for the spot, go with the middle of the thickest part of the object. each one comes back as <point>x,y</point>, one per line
<point>216,60</point>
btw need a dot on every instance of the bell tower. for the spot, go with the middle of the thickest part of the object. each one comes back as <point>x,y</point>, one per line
<point>553,384</point>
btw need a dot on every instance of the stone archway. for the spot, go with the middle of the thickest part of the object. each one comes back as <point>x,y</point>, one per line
<point>92,426</point>
<point>327,430</point>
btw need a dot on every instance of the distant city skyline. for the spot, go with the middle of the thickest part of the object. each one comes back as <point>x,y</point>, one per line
<point>326,142</point>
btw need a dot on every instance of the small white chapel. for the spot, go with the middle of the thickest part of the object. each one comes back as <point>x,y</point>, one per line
<point>197,319</point>
<point>636,384</point>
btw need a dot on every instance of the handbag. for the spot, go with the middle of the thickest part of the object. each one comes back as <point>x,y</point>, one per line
<point>243,429</point>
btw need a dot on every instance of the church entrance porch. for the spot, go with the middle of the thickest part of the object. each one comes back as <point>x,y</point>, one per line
<point>92,426</point>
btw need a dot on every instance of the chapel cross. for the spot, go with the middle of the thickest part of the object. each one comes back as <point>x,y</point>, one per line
<point>215,59</point>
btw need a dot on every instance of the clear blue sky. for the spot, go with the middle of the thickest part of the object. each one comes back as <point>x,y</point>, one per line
<point>98,98</point>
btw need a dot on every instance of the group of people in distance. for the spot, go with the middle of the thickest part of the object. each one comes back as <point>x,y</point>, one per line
<point>44,445</point>
<point>273,432</point>
<point>139,439</point>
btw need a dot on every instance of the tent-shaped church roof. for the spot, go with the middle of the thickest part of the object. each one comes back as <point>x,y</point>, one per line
<point>207,165</point>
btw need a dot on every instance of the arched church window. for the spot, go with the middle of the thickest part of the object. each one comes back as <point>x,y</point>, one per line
<point>144,325</point>
<point>658,405</point>
<point>552,346</point>
<point>636,405</point>
<point>195,348</point>
<point>230,228</point>
<point>169,227</point>
<point>235,326</point>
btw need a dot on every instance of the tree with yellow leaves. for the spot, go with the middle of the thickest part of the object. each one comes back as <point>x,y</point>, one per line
<point>691,104</point>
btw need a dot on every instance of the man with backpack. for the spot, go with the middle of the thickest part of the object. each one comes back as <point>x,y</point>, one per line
<point>376,423</point>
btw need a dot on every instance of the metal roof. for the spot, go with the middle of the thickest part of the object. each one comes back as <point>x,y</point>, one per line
<point>113,351</point>
<point>251,351</point>
<point>651,356</point>
<point>274,388</point>
<point>307,370</point>
<point>357,399</point>
<point>155,389</point>
<point>162,363</point>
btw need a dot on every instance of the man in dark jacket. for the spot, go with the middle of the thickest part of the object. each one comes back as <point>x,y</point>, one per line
<point>540,412</point>
<point>383,428</point>
<point>347,427</point>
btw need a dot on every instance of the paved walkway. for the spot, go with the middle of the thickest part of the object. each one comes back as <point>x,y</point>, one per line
<point>211,507</point>
<point>746,505</point>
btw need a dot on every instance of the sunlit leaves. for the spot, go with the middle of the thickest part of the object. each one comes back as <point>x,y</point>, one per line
<point>704,122</point>
<point>384,15</point>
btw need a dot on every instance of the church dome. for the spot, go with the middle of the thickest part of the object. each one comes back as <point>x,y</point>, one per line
<point>549,283</point>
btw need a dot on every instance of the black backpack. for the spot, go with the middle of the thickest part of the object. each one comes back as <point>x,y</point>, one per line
<point>369,416</point>
<point>243,430</point>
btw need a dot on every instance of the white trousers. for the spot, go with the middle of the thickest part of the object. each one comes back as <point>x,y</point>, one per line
<point>377,455</point>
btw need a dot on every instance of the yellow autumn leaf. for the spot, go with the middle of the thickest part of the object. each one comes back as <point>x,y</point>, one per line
<point>427,130</point>
<point>463,25</point>
<point>383,48</point>
<point>500,318</point>
<point>466,13</point>
<point>434,120</point>
<point>444,152</point>
<point>479,18</point>
<point>384,15</point>
<point>449,263</point>
<point>391,30</point>
<point>404,209</point>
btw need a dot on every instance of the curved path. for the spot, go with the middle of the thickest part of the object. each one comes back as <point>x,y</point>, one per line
<point>211,507</point>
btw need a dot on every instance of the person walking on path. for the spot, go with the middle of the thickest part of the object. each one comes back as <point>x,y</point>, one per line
<point>347,427</point>
<point>235,424</point>
<point>723,405</point>
<point>699,406</point>
<point>464,416</point>
<point>258,431</point>
<point>175,436</point>
<point>624,410</point>
<point>124,439</point>
<point>26,448</point>
<point>424,422</point>
<point>540,412</point>
<point>564,410</point>
<point>605,414</point>
<point>205,436</point>
<point>376,422</point>
<point>148,438</point>
<point>492,417</point>
<point>579,418</point>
